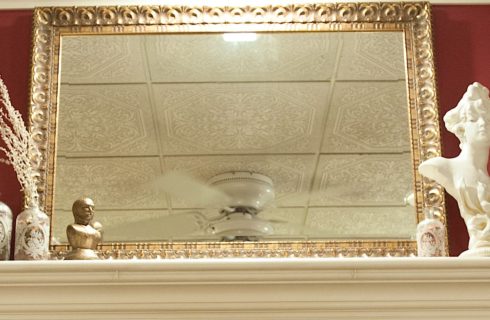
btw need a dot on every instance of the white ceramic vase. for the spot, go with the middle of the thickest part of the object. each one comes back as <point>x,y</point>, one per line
<point>32,235</point>
<point>5,231</point>
<point>431,236</point>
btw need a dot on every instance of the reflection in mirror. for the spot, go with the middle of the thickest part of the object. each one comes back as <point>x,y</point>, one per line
<point>317,121</point>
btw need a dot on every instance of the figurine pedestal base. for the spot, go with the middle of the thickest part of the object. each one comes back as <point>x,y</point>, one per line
<point>81,254</point>
<point>474,253</point>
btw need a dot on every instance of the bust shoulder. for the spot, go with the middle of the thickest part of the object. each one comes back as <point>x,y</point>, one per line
<point>434,167</point>
<point>75,227</point>
<point>438,169</point>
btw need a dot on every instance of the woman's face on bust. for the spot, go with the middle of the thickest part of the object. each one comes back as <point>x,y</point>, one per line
<point>477,128</point>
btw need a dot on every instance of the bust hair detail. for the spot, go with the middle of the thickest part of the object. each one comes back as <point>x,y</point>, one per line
<point>476,99</point>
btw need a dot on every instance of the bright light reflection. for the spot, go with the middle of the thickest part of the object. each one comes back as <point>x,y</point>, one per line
<point>239,37</point>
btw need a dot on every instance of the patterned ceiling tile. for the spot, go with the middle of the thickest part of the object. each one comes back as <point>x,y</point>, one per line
<point>113,183</point>
<point>102,120</point>
<point>359,180</point>
<point>121,226</point>
<point>291,174</point>
<point>368,117</point>
<point>292,221</point>
<point>102,59</point>
<point>236,118</point>
<point>272,57</point>
<point>153,226</point>
<point>362,222</point>
<point>372,56</point>
<point>59,221</point>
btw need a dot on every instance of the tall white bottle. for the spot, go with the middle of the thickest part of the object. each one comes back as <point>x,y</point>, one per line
<point>431,236</point>
<point>5,231</point>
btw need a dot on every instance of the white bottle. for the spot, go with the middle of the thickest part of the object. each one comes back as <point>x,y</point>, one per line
<point>32,235</point>
<point>5,231</point>
<point>431,236</point>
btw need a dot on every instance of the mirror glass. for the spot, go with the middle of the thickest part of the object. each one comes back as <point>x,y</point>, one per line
<point>311,127</point>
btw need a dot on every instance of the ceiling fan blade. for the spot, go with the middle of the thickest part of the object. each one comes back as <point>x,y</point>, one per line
<point>157,228</point>
<point>279,221</point>
<point>184,186</point>
<point>287,227</point>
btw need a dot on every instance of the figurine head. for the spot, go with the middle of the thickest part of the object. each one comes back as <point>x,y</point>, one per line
<point>83,211</point>
<point>470,119</point>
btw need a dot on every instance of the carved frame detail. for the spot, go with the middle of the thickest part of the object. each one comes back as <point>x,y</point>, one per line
<point>412,18</point>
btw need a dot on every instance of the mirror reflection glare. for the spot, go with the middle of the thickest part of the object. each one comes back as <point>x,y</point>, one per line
<point>239,37</point>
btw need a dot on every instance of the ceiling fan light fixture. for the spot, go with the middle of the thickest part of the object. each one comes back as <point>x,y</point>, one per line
<point>242,224</point>
<point>246,189</point>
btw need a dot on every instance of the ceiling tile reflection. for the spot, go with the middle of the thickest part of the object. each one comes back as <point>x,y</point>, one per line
<point>271,57</point>
<point>368,117</point>
<point>85,131</point>
<point>288,223</point>
<point>122,225</point>
<point>360,180</point>
<point>113,183</point>
<point>361,222</point>
<point>324,115</point>
<point>241,118</point>
<point>372,56</point>
<point>102,59</point>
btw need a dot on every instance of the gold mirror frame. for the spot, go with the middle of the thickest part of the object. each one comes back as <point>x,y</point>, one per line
<point>413,19</point>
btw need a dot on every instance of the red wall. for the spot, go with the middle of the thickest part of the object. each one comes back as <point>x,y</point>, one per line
<point>462,56</point>
<point>15,47</point>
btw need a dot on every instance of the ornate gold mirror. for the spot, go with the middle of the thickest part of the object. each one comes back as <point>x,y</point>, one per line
<point>261,130</point>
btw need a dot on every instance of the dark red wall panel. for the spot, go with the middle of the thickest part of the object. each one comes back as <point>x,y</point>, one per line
<point>15,66</point>
<point>462,56</point>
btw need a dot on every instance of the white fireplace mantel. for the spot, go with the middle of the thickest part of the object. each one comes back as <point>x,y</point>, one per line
<point>351,288</point>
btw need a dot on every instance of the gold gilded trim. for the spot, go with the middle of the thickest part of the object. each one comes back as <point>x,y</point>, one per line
<point>411,18</point>
<point>277,14</point>
<point>424,113</point>
<point>270,249</point>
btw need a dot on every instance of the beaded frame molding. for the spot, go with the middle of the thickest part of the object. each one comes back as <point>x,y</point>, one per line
<point>411,18</point>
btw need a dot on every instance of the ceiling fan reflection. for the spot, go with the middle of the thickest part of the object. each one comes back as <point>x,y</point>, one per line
<point>238,196</point>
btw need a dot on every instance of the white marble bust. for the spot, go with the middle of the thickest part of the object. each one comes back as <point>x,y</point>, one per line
<point>465,177</point>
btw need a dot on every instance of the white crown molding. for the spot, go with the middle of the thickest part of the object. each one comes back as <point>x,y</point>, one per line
<point>351,288</point>
<point>27,4</point>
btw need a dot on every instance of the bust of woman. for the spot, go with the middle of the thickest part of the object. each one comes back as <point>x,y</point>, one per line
<point>465,177</point>
<point>83,235</point>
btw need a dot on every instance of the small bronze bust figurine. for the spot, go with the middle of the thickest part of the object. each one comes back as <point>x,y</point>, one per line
<point>84,235</point>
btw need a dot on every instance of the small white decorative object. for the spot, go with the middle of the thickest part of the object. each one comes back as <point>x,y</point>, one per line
<point>431,236</point>
<point>32,225</point>
<point>465,177</point>
<point>5,231</point>
<point>32,235</point>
